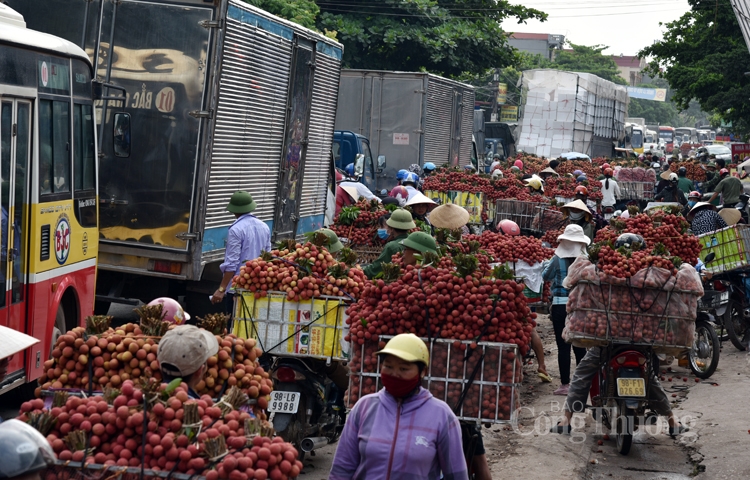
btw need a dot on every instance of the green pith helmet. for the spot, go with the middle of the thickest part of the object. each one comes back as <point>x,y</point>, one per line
<point>241,202</point>
<point>421,242</point>
<point>401,220</point>
<point>334,244</point>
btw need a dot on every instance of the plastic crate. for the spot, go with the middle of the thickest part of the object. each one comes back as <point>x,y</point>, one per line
<point>492,396</point>
<point>636,190</point>
<point>730,245</point>
<point>472,202</point>
<point>309,328</point>
<point>523,213</point>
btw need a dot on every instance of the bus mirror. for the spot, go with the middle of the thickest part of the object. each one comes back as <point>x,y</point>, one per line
<point>381,163</point>
<point>121,134</point>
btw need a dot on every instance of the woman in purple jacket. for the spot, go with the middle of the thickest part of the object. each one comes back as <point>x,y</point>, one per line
<point>402,431</point>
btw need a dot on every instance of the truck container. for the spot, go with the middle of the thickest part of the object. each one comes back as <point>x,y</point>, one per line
<point>410,118</point>
<point>206,98</point>
<point>570,112</point>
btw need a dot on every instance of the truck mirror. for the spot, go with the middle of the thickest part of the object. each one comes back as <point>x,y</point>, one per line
<point>381,163</point>
<point>121,134</point>
<point>359,165</point>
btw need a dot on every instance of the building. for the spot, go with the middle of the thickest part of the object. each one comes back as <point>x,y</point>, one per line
<point>630,68</point>
<point>542,44</point>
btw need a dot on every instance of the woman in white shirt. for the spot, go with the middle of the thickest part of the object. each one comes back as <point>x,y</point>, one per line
<point>610,189</point>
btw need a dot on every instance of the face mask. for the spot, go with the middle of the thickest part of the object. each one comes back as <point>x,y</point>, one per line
<point>576,215</point>
<point>691,203</point>
<point>399,387</point>
<point>382,233</point>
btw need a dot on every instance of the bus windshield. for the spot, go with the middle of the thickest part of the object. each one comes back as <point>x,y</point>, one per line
<point>636,139</point>
<point>666,135</point>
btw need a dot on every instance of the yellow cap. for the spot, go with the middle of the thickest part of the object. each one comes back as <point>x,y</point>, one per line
<point>407,347</point>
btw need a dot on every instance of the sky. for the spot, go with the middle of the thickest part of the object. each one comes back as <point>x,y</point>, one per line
<point>625,27</point>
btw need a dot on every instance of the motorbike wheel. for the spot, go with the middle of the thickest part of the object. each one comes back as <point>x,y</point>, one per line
<point>734,322</point>
<point>624,429</point>
<point>703,356</point>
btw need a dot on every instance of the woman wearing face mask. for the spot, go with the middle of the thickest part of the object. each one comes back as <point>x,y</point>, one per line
<point>580,215</point>
<point>396,229</point>
<point>693,198</point>
<point>401,431</point>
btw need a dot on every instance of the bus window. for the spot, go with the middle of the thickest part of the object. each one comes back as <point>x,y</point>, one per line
<point>54,147</point>
<point>83,147</point>
<point>6,124</point>
<point>23,143</point>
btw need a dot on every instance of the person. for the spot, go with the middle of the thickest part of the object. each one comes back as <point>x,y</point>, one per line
<point>495,162</point>
<point>535,184</point>
<point>509,227</point>
<point>451,217</point>
<point>400,193</point>
<point>398,226</point>
<point>429,169</point>
<point>246,239</point>
<point>610,189</point>
<point>590,364</point>
<point>382,233</point>
<point>580,215</point>
<point>497,174</point>
<point>172,310</point>
<point>670,193</point>
<point>360,189</point>
<point>333,244</point>
<point>417,243</point>
<point>514,169</point>
<point>345,197</point>
<point>730,189</point>
<point>349,169</point>
<point>548,173</point>
<point>400,175</point>
<point>24,452</point>
<point>410,182</point>
<point>519,164</point>
<point>183,352</point>
<point>420,206</point>
<point>388,200</point>
<point>720,162</point>
<point>401,431</point>
<point>416,169</point>
<point>572,244</point>
<point>693,198</point>
<point>553,164</point>
<point>581,178</point>
<point>704,219</point>
<point>581,193</point>
<point>684,183</point>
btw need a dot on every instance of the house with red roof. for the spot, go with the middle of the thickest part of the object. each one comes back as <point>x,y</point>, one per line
<point>630,68</point>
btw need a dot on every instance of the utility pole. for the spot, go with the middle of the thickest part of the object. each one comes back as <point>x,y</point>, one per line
<point>495,83</point>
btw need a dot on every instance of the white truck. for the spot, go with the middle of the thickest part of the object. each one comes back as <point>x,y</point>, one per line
<point>566,112</point>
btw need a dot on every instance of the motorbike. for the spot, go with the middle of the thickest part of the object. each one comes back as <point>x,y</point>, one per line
<point>731,307</point>
<point>608,212</point>
<point>619,391</point>
<point>307,407</point>
<point>703,357</point>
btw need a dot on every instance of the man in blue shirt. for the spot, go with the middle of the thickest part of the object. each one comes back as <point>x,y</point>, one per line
<point>246,239</point>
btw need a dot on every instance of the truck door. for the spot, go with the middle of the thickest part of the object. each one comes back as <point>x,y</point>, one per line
<point>295,141</point>
<point>458,113</point>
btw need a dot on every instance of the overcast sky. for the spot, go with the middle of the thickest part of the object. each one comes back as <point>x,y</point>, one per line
<point>625,27</point>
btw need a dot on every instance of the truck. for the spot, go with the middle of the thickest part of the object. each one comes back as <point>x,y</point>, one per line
<point>570,112</point>
<point>500,133</point>
<point>407,117</point>
<point>199,99</point>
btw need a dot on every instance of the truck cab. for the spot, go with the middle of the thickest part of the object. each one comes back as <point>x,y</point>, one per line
<point>346,146</point>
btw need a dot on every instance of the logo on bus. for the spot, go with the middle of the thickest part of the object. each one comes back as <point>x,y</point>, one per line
<point>165,100</point>
<point>45,74</point>
<point>62,239</point>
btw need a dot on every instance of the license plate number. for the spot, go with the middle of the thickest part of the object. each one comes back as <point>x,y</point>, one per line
<point>284,402</point>
<point>631,387</point>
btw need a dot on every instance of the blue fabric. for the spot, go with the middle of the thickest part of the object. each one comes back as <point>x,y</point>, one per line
<point>246,238</point>
<point>555,272</point>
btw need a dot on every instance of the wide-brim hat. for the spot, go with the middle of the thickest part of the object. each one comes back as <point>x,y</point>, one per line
<point>449,216</point>
<point>550,171</point>
<point>575,205</point>
<point>574,233</point>
<point>421,242</point>
<point>400,219</point>
<point>352,192</point>
<point>334,244</point>
<point>697,207</point>
<point>241,202</point>
<point>730,215</point>
<point>665,174</point>
<point>420,198</point>
<point>573,242</point>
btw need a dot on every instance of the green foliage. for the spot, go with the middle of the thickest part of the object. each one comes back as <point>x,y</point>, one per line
<point>663,113</point>
<point>703,56</point>
<point>446,37</point>
<point>303,12</point>
<point>589,60</point>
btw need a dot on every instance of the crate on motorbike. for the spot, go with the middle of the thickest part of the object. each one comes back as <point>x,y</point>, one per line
<point>472,202</point>
<point>367,254</point>
<point>731,246</point>
<point>523,213</point>
<point>636,190</point>
<point>91,471</point>
<point>546,219</point>
<point>652,307</point>
<point>479,384</point>
<point>312,328</point>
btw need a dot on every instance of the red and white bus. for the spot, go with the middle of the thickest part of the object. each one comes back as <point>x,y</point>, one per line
<point>666,134</point>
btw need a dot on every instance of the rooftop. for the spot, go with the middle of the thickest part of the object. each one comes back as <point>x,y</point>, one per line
<point>627,61</point>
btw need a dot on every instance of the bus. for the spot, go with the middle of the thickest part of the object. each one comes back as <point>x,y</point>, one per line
<point>636,136</point>
<point>687,135</point>
<point>666,134</point>
<point>48,191</point>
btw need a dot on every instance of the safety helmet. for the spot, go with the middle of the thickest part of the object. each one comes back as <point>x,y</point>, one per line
<point>582,190</point>
<point>723,172</point>
<point>605,166</point>
<point>625,214</point>
<point>414,168</point>
<point>429,166</point>
<point>673,177</point>
<point>608,172</point>
<point>509,227</point>
<point>407,347</point>
<point>497,173</point>
<point>656,165</point>
<point>682,171</point>
<point>695,194</point>
<point>421,242</point>
<point>515,169</point>
<point>400,193</point>
<point>349,169</point>
<point>171,309</point>
<point>401,174</point>
<point>535,183</point>
<point>410,177</point>
<point>577,173</point>
<point>581,178</point>
<point>23,450</point>
<point>630,241</point>
<point>519,164</point>
<point>333,244</point>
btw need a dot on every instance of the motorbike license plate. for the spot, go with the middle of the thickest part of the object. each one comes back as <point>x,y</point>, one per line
<point>631,387</point>
<point>284,402</point>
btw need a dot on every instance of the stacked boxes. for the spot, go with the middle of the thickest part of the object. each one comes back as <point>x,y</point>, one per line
<point>472,202</point>
<point>731,246</point>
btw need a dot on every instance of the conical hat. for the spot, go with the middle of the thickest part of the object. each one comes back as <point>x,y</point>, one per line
<point>696,207</point>
<point>578,205</point>
<point>352,191</point>
<point>449,216</point>
<point>730,215</point>
<point>418,198</point>
<point>549,170</point>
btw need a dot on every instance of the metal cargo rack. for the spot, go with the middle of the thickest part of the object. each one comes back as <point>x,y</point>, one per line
<point>546,219</point>
<point>636,190</point>
<point>474,385</point>
<point>92,471</point>
<point>523,213</point>
<point>367,255</point>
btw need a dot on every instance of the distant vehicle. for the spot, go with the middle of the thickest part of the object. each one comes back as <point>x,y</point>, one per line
<point>634,137</point>
<point>687,134</point>
<point>651,136</point>
<point>722,152</point>
<point>667,135</point>
<point>501,133</point>
<point>351,148</point>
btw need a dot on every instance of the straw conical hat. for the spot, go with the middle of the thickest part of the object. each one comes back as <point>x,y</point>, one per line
<point>449,216</point>
<point>352,191</point>
<point>730,215</point>
<point>698,206</point>
<point>578,205</point>
<point>420,197</point>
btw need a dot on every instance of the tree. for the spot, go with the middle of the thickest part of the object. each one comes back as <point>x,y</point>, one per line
<point>446,37</point>
<point>303,12</point>
<point>663,113</point>
<point>703,56</point>
<point>581,58</point>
